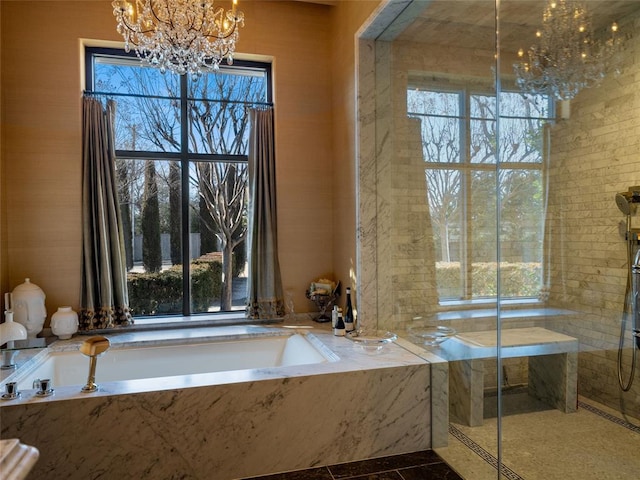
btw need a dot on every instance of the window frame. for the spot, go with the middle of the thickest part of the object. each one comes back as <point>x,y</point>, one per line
<point>466,168</point>
<point>183,156</point>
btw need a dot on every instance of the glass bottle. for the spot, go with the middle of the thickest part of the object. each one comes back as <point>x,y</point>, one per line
<point>339,329</point>
<point>349,319</point>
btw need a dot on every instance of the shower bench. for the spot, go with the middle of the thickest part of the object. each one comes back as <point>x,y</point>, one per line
<point>552,359</point>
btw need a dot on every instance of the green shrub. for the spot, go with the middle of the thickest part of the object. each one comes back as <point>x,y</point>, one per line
<point>517,279</point>
<point>161,293</point>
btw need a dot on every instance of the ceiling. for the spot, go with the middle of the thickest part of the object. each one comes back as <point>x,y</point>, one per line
<point>471,23</point>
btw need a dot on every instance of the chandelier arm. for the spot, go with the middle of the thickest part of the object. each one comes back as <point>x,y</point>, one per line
<point>218,37</point>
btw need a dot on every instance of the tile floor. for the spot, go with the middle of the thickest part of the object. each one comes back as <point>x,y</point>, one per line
<point>425,465</point>
<point>542,443</point>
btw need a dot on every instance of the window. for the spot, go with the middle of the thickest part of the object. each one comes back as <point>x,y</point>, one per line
<point>458,130</point>
<point>182,150</point>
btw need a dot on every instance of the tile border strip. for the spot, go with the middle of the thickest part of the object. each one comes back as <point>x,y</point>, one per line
<point>608,416</point>
<point>505,471</point>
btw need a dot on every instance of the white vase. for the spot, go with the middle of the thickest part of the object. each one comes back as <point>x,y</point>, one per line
<point>28,307</point>
<point>64,323</point>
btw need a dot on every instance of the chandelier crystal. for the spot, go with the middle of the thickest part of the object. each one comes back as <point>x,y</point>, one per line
<point>566,57</point>
<point>182,36</point>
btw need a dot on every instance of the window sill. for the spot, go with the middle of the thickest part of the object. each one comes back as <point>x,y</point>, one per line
<point>516,309</point>
<point>175,322</point>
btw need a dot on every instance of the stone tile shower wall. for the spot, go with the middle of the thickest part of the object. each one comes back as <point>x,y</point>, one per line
<point>405,250</point>
<point>595,155</point>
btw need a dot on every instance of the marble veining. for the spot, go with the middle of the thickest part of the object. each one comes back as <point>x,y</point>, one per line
<point>231,424</point>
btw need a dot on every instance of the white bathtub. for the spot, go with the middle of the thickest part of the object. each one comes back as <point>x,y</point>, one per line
<point>66,368</point>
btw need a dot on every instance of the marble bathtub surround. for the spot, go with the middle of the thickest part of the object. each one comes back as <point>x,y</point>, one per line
<point>237,423</point>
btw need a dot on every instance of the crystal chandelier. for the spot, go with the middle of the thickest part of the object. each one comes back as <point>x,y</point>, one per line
<point>566,57</point>
<point>182,36</point>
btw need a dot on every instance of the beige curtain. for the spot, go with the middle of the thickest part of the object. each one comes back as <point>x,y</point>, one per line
<point>104,299</point>
<point>265,298</point>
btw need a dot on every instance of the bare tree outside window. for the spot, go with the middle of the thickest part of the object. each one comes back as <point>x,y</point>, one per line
<point>463,171</point>
<point>168,127</point>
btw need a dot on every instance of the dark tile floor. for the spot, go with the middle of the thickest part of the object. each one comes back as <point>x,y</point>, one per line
<point>425,465</point>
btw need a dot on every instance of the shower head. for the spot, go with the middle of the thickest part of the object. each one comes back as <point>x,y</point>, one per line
<point>626,206</point>
<point>627,201</point>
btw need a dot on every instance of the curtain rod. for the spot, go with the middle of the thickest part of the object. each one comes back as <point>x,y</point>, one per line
<point>160,97</point>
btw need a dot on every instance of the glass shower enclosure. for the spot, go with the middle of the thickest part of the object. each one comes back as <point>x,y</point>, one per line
<point>499,179</point>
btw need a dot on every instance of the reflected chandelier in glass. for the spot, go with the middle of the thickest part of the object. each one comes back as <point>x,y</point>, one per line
<point>567,56</point>
<point>182,36</point>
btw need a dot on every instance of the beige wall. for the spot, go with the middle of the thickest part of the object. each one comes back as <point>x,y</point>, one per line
<point>41,136</point>
<point>3,213</point>
<point>347,17</point>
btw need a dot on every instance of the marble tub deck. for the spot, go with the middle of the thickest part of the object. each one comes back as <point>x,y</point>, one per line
<point>230,424</point>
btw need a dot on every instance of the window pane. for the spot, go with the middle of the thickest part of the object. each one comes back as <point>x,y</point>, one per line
<point>425,102</point>
<point>149,193</point>
<point>521,126</point>
<point>148,110</point>
<point>218,226</point>
<point>483,233</point>
<point>483,141</point>
<point>515,104</point>
<point>446,208</point>
<point>218,128</point>
<point>521,231</point>
<point>521,140</point>
<point>482,129</point>
<point>230,84</point>
<point>147,125</point>
<point>218,122</point>
<point>483,106</point>
<point>121,75</point>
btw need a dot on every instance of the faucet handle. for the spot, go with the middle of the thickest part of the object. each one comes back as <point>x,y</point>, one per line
<point>44,387</point>
<point>11,391</point>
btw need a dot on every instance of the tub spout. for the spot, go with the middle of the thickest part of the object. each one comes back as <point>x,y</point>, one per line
<point>92,347</point>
